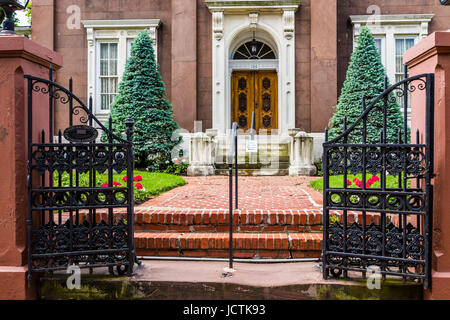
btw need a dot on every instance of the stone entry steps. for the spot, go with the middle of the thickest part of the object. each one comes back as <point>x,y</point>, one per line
<point>272,158</point>
<point>216,245</point>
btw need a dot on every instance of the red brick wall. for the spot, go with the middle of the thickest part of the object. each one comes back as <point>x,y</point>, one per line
<point>72,44</point>
<point>204,65</point>
<point>303,66</point>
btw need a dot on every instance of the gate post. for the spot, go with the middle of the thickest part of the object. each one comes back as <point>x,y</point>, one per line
<point>18,56</point>
<point>432,55</point>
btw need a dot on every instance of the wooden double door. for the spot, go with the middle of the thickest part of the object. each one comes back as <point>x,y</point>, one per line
<point>255,91</point>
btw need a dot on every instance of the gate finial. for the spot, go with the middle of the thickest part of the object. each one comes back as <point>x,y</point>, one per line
<point>9,7</point>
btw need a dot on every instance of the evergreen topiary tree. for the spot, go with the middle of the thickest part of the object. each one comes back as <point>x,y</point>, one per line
<point>365,76</point>
<point>142,97</point>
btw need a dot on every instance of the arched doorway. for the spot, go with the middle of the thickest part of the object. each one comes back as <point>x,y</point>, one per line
<point>254,84</point>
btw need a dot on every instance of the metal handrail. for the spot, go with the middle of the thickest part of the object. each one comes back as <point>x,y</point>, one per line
<point>233,151</point>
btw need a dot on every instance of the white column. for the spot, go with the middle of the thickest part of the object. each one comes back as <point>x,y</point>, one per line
<point>219,108</point>
<point>153,33</point>
<point>390,54</point>
<point>122,53</point>
<point>91,65</point>
<point>287,72</point>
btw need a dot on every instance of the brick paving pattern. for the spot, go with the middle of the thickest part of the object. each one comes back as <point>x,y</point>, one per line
<point>264,193</point>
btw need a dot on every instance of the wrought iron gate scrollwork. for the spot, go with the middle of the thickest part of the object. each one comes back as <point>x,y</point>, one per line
<point>72,215</point>
<point>386,227</point>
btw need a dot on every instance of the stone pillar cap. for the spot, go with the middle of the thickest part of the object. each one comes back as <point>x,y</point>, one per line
<point>292,132</point>
<point>212,132</point>
<point>437,42</point>
<point>12,46</point>
<point>302,134</point>
<point>200,135</point>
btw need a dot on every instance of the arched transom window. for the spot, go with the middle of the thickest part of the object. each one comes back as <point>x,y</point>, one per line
<point>255,50</point>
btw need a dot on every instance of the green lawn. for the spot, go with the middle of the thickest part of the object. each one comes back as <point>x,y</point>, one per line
<point>338,182</point>
<point>154,183</point>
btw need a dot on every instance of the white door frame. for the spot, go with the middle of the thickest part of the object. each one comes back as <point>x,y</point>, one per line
<point>276,24</point>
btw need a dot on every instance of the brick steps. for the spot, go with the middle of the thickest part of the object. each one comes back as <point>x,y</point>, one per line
<point>277,234</point>
<point>214,220</point>
<point>246,245</point>
<point>218,221</point>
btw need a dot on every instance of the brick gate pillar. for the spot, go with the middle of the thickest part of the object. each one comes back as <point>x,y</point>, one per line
<point>432,55</point>
<point>18,56</point>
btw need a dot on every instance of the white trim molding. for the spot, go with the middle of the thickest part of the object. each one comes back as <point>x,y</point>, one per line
<point>390,27</point>
<point>233,23</point>
<point>121,32</point>
<point>243,6</point>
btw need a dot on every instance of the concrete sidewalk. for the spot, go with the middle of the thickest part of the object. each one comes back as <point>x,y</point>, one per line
<point>195,280</point>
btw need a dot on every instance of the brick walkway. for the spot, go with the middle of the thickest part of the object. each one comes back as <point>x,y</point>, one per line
<point>278,217</point>
<point>263,193</point>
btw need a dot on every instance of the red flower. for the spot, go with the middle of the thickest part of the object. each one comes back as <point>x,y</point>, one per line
<point>105,185</point>
<point>139,186</point>
<point>138,178</point>
<point>349,183</point>
<point>124,178</point>
<point>368,184</point>
<point>355,180</point>
<point>375,178</point>
<point>116,184</point>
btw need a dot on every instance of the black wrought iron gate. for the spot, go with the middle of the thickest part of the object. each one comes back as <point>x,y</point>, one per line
<point>77,213</point>
<point>378,194</point>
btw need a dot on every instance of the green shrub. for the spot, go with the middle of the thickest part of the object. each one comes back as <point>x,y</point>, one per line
<point>365,76</point>
<point>319,168</point>
<point>142,97</point>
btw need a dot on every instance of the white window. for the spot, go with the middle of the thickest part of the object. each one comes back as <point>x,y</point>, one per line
<point>129,44</point>
<point>109,46</point>
<point>107,74</point>
<point>379,44</point>
<point>401,45</point>
<point>387,29</point>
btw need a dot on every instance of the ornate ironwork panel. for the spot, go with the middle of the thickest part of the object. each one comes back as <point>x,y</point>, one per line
<point>378,195</point>
<point>70,179</point>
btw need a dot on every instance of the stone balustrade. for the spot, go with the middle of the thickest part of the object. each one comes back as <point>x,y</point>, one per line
<point>301,154</point>
<point>203,147</point>
<point>201,150</point>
